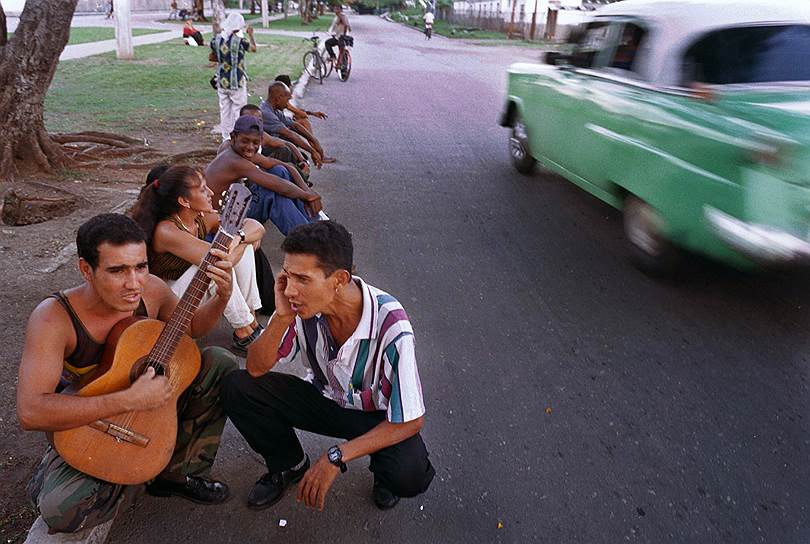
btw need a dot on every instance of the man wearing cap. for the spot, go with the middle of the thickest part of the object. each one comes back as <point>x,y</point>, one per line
<point>286,203</point>
<point>228,51</point>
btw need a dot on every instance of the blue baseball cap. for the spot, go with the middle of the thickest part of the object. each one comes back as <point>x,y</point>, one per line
<point>248,123</point>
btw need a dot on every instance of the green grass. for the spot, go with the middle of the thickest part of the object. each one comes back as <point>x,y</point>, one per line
<point>98,33</point>
<point>87,34</point>
<point>165,88</point>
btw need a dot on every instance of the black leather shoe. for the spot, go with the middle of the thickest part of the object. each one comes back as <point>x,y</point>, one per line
<point>270,487</point>
<point>383,498</point>
<point>196,489</point>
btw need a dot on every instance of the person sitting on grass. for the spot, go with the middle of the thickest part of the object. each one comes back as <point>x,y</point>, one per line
<point>175,210</point>
<point>278,124</point>
<point>286,203</point>
<point>191,35</point>
<point>299,115</point>
<point>274,151</point>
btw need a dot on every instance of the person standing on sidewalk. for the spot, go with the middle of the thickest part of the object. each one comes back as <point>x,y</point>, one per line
<point>228,51</point>
<point>363,384</point>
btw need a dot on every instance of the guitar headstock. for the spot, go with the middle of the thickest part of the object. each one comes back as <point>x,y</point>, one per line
<point>234,208</point>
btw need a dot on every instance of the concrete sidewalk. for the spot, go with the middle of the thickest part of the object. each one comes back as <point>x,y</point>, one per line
<point>89,49</point>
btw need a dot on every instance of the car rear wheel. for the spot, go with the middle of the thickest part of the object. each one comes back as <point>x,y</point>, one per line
<point>650,250</point>
<point>519,148</point>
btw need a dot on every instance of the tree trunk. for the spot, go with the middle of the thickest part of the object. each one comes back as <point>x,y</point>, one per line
<point>199,8</point>
<point>27,65</point>
<point>218,7</point>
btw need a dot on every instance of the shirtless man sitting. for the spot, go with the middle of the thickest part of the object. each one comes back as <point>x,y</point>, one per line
<point>286,203</point>
<point>274,152</point>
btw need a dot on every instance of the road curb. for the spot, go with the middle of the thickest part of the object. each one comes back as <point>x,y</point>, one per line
<point>301,85</point>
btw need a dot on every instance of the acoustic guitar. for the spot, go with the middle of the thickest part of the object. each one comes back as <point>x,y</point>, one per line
<point>134,447</point>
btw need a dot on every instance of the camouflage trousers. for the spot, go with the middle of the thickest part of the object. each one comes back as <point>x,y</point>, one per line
<point>69,500</point>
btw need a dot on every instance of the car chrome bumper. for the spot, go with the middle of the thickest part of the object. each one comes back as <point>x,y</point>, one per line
<point>761,243</point>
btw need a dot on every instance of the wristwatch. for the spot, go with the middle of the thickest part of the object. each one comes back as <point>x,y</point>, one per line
<point>241,234</point>
<point>335,457</point>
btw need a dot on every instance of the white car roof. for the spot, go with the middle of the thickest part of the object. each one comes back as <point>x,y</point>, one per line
<point>675,24</point>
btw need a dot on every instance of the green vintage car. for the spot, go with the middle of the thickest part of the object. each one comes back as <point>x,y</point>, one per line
<point>693,118</point>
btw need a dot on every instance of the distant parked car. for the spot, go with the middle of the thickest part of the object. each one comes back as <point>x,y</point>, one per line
<point>693,118</point>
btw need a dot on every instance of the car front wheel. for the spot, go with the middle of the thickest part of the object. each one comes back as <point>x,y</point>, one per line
<point>519,148</point>
<point>650,250</point>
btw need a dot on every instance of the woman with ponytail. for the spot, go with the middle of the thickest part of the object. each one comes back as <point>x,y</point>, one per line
<point>175,210</point>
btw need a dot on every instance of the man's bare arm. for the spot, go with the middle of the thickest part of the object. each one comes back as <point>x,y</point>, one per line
<point>300,141</point>
<point>268,162</point>
<point>274,183</point>
<point>40,408</point>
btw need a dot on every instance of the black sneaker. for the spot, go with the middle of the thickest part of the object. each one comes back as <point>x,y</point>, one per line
<point>383,498</point>
<point>195,489</point>
<point>270,487</point>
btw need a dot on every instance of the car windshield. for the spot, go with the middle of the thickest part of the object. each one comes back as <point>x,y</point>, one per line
<point>758,54</point>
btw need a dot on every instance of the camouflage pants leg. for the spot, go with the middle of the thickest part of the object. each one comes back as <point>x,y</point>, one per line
<point>69,500</point>
<point>201,417</point>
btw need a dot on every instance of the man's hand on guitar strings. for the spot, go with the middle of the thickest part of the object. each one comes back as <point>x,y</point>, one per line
<point>148,391</point>
<point>220,273</point>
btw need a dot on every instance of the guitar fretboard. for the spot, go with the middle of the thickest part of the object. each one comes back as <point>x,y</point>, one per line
<point>180,321</point>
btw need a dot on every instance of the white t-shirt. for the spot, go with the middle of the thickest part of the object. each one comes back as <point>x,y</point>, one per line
<point>429,18</point>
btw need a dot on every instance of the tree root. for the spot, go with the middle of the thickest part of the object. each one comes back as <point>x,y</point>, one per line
<point>71,138</point>
<point>196,154</point>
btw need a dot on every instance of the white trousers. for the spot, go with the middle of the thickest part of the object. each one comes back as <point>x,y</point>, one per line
<point>245,296</point>
<point>230,102</point>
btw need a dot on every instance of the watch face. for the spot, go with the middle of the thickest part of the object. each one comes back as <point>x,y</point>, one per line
<point>334,454</point>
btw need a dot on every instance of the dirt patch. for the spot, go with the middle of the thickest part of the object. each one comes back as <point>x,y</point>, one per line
<point>36,260</point>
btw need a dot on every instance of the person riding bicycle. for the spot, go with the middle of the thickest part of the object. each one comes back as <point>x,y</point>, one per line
<point>342,28</point>
<point>429,17</point>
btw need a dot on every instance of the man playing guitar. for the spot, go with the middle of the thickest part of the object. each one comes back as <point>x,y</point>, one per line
<point>65,339</point>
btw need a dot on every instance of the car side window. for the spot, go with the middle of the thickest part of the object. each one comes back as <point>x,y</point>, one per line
<point>628,48</point>
<point>590,42</point>
<point>760,54</point>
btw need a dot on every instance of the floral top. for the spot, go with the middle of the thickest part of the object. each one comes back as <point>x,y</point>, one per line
<point>230,54</point>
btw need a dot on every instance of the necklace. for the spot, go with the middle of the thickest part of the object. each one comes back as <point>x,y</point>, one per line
<point>183,225</point>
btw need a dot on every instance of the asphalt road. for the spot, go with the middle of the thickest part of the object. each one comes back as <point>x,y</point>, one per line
<point>570,398</point>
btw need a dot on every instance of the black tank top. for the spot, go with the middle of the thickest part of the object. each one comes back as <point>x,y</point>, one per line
<point>88,352</point>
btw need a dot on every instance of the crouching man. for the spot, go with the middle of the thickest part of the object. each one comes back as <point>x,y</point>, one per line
<point>363,385</point>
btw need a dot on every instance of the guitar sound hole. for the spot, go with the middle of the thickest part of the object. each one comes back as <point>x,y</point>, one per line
<point>140,366</point>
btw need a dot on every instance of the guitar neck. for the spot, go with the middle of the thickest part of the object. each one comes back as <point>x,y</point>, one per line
<point>180,321</point>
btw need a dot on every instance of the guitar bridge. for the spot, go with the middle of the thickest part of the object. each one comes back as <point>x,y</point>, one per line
<point>121,434</point>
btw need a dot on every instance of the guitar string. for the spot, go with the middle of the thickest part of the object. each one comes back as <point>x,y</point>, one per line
<point>171,331</point>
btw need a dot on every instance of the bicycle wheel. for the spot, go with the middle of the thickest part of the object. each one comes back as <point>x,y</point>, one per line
<point>313,65</point>
<point>344,67</point>
<point>327,66</point>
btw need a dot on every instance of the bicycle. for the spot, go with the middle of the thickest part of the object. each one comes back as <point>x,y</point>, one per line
<point>314,64</point>
<point>344,60</point>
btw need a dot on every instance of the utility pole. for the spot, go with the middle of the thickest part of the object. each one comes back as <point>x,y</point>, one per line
<point>124,49</point>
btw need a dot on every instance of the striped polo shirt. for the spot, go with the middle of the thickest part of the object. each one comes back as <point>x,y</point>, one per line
<point>375,369</point>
